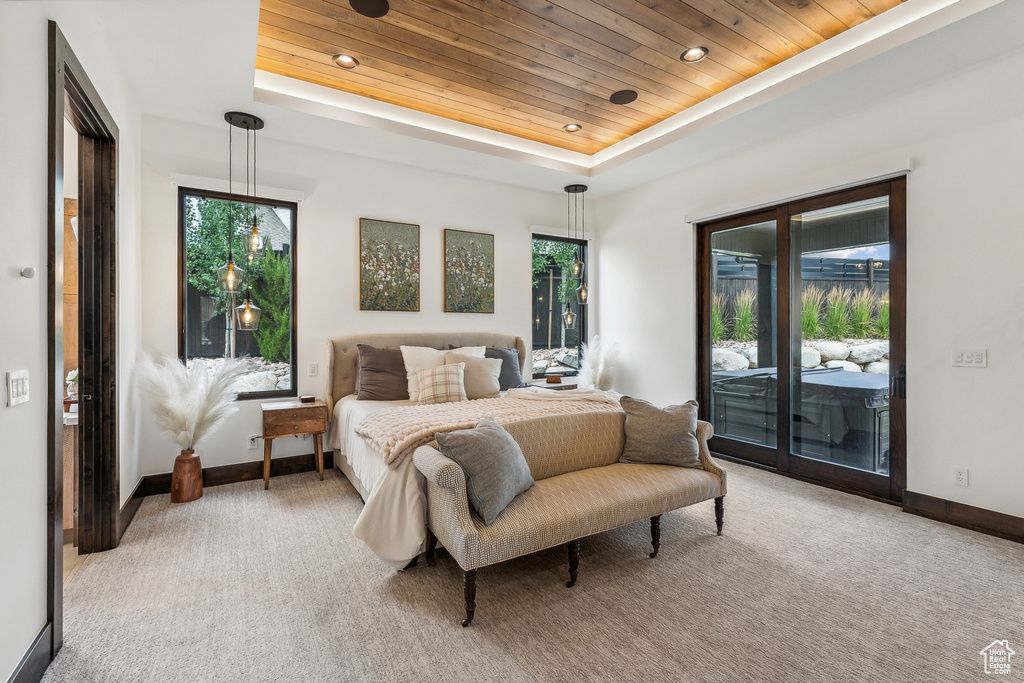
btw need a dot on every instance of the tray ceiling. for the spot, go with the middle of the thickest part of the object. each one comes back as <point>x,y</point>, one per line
<point>529,67</point>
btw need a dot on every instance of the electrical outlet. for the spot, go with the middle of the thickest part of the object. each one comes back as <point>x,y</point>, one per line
<point>313,369</point>
<point>960,477</point>
<point>252,441</point>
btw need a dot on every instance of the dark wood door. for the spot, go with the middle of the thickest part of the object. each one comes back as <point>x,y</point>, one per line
<point>802,337</point>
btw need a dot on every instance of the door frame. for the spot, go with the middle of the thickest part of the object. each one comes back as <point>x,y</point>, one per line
<point>72,95</point>
<point>780,458</point>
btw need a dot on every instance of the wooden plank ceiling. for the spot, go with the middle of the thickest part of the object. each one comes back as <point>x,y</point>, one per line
<point>529,67</point>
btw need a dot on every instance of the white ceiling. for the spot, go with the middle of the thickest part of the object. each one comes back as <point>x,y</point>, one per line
<point>193,60</point>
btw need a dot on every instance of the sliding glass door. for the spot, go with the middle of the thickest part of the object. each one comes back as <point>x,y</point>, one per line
<point>801,348</point>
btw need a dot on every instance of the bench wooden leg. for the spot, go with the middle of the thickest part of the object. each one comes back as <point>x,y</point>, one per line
<point>719,513</point>
<point>469,584</point>
<point>574,562</point>
<point>655,535</point>
<point>431,546</point>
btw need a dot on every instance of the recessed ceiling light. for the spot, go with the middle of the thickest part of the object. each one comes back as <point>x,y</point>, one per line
<point>572,128</point>
<point>694,54</point>
<point>623,97</point>
<point>375,9</point>
<point>346,61</point>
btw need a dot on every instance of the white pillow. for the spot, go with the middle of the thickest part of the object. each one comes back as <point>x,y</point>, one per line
<point>481,375</point>
<point>442,384</point>
<point>471,351</point>
<point>419,358</point>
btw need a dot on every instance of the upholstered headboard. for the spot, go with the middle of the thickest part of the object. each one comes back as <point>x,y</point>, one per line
<point>342,355</point>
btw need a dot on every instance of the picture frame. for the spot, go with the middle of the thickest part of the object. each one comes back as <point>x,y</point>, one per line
<point>468,272</point>
<point>389,266</point>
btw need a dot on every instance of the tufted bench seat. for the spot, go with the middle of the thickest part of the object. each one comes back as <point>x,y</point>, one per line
<point>580,489</point>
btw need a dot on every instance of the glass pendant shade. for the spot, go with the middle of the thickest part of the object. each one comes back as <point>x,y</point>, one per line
<point>229,277</point>
<point>577,268</point>
<point>581,292</point>
<point>247,314</point>
<point>568,317</point>
<point>255,244</point>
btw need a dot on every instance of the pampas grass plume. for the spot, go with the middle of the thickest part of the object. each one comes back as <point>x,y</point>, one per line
<point>189,402</point>
<point>597,370</point>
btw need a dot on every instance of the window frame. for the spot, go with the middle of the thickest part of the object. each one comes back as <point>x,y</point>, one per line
<point>582,308</point>
<point>184,192</point>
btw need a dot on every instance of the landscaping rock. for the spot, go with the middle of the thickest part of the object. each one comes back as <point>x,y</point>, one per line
<point>751,355</point>
<point>844,364</point>
<point>868,353</point>
<point>877,368</point>
<point>570,359</point>
<point>809,358</point>
<point>257,381</point>
<point>830,350</point>
<point>722,359</point>
<point>539,367</point>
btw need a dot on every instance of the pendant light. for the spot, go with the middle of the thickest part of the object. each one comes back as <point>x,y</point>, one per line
<point>575,199</point>
<point>247,314</point>
<point>255,243</point>
<point>229,276</point>
<point>568,317</point>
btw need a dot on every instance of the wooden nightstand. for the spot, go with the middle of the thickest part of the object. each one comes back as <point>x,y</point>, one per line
<point>292,418</point>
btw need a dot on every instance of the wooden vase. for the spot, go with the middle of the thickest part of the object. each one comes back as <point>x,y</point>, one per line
<point>186,478</point>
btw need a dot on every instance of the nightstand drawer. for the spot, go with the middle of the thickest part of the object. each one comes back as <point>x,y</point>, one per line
<point>294,420</point>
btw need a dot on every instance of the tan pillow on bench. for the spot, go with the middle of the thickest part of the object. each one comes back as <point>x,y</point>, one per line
<point>660,436</point>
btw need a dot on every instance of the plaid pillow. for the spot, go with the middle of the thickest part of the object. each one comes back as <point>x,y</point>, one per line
<point>442,384</point>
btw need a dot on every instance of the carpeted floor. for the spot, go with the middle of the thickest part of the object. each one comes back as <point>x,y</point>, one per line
<point>807,584</point>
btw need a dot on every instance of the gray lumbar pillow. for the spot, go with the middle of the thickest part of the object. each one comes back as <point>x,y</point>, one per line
<point>496,471</point>
<point>663,436</point>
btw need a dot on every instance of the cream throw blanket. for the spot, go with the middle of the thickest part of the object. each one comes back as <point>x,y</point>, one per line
<point>398,431</point>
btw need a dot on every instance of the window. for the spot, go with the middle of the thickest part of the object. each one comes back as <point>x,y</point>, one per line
<point>556,337</point>
<point>207,327</point>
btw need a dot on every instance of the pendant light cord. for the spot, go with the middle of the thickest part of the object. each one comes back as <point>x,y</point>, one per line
<point>231,205</point>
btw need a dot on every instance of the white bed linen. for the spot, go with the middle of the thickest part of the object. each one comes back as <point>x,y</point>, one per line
<point>393,522</point>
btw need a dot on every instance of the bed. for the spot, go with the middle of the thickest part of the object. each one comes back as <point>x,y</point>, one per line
<point>393,520</point>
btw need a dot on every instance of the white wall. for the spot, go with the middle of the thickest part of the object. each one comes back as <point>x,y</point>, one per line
<point>338,190</point>
<point>23,303</point>
<point>963,130</point>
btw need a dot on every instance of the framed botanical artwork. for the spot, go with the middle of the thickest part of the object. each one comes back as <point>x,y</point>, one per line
<point>389,266</point>
<point>468,272</point>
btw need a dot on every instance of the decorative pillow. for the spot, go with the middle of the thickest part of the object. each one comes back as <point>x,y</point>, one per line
<point>510,377</point>
<point>472,351</point>
<point>660,436</point>
<point>442,384</point>
<point>481,378</point>
<point>418,358</point>
<point>496,471</point>
<point>380,374</point>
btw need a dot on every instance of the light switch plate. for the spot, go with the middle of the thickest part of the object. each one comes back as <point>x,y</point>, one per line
<point>17,387</point>
<point>970,358</point>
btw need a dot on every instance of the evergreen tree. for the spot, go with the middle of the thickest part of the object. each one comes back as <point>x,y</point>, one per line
<point>272,293</point>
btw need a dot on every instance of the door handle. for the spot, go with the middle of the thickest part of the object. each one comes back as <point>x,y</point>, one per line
<point>898,383</point>
<point>87,397</point>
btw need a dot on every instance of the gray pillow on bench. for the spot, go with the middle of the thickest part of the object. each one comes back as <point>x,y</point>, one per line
<point>496,471</point>
<point>660,436</point>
